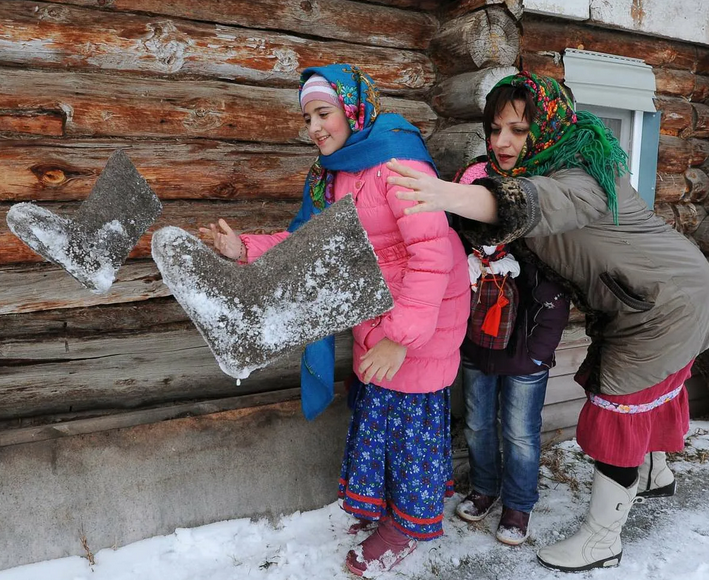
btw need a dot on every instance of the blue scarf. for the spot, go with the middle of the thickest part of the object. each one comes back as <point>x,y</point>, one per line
<point>375,139</point>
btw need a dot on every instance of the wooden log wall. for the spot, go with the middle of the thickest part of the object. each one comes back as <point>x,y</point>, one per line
<point>682,79</point>
<point>203,98</point>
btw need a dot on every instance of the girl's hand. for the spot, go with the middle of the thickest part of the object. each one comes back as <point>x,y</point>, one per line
<point>382,361</point>
<point>225,240</point>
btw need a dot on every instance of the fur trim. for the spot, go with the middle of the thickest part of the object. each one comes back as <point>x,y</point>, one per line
<point>517,210</point>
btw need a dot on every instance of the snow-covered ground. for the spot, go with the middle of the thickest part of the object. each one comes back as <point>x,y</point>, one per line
<point>664,539</point>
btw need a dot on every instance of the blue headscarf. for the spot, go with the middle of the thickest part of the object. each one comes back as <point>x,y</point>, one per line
<point>376,138</point>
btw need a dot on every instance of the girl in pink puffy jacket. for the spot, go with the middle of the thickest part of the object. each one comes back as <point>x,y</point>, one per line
<point>397,465</point>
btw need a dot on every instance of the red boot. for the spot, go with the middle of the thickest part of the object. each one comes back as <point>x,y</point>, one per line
<point>381,551</point>
<point>362,525</point>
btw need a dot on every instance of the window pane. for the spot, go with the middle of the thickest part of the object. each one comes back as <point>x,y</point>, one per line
<point>614,125</point>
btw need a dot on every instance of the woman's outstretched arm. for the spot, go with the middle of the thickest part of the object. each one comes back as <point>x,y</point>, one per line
<point>432,194</point>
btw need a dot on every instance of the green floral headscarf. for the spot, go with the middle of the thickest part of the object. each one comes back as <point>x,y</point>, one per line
<point>560,138</point>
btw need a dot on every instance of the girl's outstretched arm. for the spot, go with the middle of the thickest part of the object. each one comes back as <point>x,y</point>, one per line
<point>432,194</point>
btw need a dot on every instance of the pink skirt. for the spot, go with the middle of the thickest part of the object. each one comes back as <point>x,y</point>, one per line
<point>620,429</point>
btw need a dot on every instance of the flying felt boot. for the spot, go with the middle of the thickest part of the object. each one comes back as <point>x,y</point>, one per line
<point>597,543</point>
<point>93,244</point>
<point>654,477</point>
<point>322,279</point>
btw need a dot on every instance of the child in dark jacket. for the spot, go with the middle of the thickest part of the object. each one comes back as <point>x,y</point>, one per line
<point>509,385</point>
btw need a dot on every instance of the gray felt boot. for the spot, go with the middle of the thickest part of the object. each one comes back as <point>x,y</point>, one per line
<point>597,543</point>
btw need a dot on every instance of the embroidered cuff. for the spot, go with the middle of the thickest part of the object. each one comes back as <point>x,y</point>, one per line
<point>517,212</point>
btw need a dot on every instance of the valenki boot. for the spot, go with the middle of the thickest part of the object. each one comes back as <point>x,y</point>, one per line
<point>654,477</point>
<point>381,551</point>
<point>597,543</point>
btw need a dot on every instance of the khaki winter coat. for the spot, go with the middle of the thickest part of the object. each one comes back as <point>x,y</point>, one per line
<point>643,286</point>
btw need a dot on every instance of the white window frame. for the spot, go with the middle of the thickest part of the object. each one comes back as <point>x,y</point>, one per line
<point>617,87</point>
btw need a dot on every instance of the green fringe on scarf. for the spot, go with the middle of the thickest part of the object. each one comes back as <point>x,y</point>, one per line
<point>561,138</point>
<point>590,145</point>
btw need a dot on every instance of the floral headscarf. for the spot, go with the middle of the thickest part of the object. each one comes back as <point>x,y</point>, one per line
<point>559,137</point>
<point>376,137</point>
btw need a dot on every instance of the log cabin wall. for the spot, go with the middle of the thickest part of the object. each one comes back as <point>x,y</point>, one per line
<point>203,98</point>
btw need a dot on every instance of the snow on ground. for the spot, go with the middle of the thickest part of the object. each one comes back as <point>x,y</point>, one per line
<point>664,539</point>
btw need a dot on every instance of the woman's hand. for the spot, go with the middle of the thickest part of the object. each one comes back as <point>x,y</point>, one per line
<point>426,190</point>
<point>382,361</point>
<point>433,194</point>
<point>225,240</point>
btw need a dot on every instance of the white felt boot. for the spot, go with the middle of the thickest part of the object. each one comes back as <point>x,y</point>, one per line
<point>597,543</point>
<point>654,477</point>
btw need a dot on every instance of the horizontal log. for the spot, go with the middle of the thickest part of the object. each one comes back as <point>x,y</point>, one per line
<point>38,287</point>
<point>676,155</point>
<point>429,5</point>
<point>243,216</point>
<point>463,96</point>
<point>62,37</point>
<point>688,217</point>
<point>481,39</point>
<point>463,7</point>
<point>676,118</point>
<point>665,211</point>
<point>32,123</point>
<point>54,426</point>
<point>377,25</point>
<point>546,63</point>
<point>701,89</point>
<point>698,183</point>
<point>453,147</point>
<point>701,121</point>
<point>701,235</point>
<point>154,315</point>
<point>130,372</point>
<point>544,34</point>
<point>107,105</point>
<point>671,187</point>
<point>58,170</point>
<point>676,83</point>
<point>702,60</point>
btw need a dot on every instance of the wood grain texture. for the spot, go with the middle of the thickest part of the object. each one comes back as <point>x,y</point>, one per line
<point>43,286</point>
<point>64,37</point>
<point>65,375</point>
<point>546,34</point>
<point>66,170</point>
<point>104,105</point>
<point>376,25</point>
<point>481,39</point>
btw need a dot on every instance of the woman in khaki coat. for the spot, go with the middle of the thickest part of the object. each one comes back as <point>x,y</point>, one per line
<point>559,185</point>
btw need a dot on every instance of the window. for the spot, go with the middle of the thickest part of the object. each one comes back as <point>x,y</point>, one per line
<point>620,91</point>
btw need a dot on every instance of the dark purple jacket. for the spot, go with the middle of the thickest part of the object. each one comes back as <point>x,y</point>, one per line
<point>541,318</point>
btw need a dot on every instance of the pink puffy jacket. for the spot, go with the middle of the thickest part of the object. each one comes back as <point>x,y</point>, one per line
<point>426,268</point>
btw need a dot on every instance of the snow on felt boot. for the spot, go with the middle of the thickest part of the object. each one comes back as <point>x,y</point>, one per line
<point>654,477</point>
<point>380,552</point>
<point>322,279</point>
<point>597,543</point>
<point>94,243</point>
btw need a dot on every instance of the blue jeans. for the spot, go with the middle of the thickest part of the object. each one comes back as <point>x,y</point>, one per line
<point>512,472</point>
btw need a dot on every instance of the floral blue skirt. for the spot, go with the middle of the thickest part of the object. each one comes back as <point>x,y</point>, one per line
<point>398,459</point>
